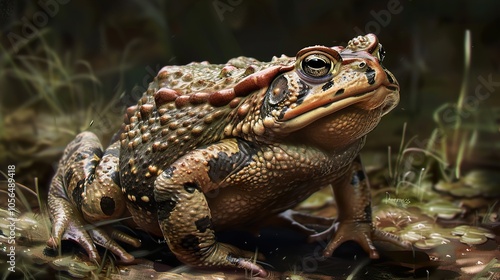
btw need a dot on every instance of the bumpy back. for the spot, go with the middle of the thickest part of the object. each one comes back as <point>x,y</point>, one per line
<point>186,107</point>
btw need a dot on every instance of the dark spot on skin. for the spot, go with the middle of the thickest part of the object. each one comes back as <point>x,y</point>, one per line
<point>95,155</point>
<point>98,152</point>
<point>191,243</point>
<point>381,53</point>
<point>90,179</point>
<point>165,207</point>
<point>190,187</point>
<point>304,89</point>
<point>339,92</point>
<point>389,77</point>
<point>368,212</point>
<point>203,224</point>
<point>115,176</point>
<point>107,205</point>
<point>68,176</point>
<point>79,156</point>
<point>370,75</point>
<point>220,167</point>
<point>225,164</point>
<point>326,86</point>
<point>77,193</point>
<point>247,148</point>
<point>282,113</point>
<point>361,175</point>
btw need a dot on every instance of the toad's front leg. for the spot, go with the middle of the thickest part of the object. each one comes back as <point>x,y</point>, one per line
<point>84,191</point>
<point>184,214</point>
<point>353,199</point>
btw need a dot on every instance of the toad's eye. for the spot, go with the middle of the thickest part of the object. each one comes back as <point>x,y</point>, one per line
<point>316,65</point>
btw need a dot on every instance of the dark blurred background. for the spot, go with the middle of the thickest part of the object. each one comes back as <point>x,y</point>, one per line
<point>61,57</point>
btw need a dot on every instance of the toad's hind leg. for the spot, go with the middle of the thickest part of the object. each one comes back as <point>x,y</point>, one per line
<point>85,189</point>
<point>184,214</point>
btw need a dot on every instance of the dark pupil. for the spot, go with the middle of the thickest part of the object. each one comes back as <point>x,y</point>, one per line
<point>316,63</point>
<point>316,66</point>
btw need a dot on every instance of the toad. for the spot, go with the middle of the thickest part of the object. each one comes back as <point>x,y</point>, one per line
<point>213,147</point>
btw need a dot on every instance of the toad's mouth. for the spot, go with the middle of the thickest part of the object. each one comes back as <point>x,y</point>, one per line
<point>306,113</point>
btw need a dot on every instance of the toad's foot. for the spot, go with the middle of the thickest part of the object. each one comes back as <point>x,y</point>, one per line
<point>245,259</point>
<point>359,232</point>
<point>88,236</point>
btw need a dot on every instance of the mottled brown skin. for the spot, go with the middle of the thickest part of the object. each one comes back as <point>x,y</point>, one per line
<point>211,147</point>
